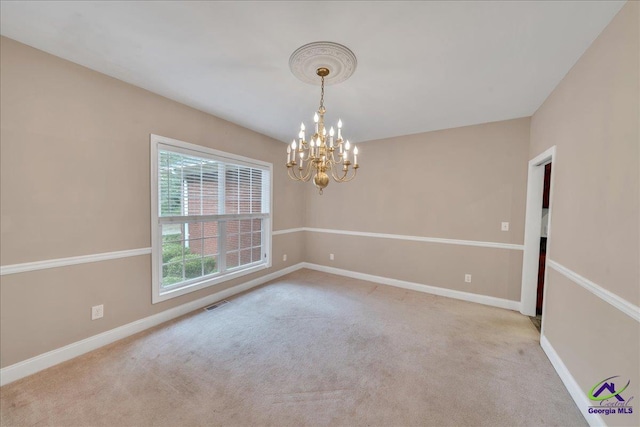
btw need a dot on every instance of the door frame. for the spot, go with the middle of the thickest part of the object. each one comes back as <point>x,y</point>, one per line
<point>532,229</point>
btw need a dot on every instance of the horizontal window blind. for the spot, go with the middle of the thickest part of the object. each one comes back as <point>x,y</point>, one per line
<point>196,186</point>
<point>212,216</point>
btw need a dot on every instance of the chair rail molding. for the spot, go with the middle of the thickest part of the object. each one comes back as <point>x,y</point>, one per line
<point>74,260</point>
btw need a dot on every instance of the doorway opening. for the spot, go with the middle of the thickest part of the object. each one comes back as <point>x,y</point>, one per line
<point>537,233</point>
<point>542,259</point>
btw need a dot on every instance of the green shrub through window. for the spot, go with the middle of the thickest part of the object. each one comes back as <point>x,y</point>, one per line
<point>213,216</point>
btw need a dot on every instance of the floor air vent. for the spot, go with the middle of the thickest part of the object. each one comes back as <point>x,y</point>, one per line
<point>216,305</point>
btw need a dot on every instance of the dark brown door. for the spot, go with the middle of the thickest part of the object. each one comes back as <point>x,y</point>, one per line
<point>543,240</point>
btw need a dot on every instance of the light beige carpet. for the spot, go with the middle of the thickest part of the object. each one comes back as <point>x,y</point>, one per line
<point>309,349</point>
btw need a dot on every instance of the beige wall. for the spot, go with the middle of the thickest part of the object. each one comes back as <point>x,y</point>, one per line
<point>72,131</point>
<point>454,184</point>
<point>79,141</point>
<point>495,272</point>
<point>593,119</point>
<point>75,181</point>
<point>594,339</point>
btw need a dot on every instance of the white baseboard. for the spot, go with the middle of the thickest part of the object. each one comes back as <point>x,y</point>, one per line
<point>570,383</point>
<point>46,360</point>
<point>450,293</point>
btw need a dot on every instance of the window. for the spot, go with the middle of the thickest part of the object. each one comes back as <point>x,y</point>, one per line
<point>211,216</point>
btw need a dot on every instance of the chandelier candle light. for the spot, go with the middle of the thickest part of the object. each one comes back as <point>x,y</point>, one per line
<point>325,153</point>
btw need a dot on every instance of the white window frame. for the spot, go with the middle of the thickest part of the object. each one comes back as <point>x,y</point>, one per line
<point>160,142</point>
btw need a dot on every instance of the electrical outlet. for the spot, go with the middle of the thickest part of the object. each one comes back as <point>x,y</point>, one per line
<point>467,278</point>
<point>505,226</point>
<point>97,311</point>
<point>284,257</point>
<point>331,257</point>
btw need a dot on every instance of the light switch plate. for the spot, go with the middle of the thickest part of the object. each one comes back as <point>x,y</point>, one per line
<point>505,226</point>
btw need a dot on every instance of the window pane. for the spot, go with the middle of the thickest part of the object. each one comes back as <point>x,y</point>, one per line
<point>200,230</point>
<point>256,239</point>
<point>231,189</point>
<point>199,183</point>
<point>232,259</point>
<point>194,246</point>
<point>210,246</point>
<point>172,232</point>
<point>232,242</point>
<point>256,191</point>
<point>170,183</point>
<point>188,185</point>
<point>172,252</point>
<point>172,242</point>
<point>256,254</point>
<point>172,273</point>
<point>210,229</point>
<point>210,189</point>
<point>245,256</point>
<point>245,240</point>
<point>244,189</point>
<point>183,258</point>
<point>210,265</point>
<point>233,227</point>
<point>192,266</point>
<point>245,226</point>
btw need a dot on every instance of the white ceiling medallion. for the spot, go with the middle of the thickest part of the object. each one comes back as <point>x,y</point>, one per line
<point>338,59</point>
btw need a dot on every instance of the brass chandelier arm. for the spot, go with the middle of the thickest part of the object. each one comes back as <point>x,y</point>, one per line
<point>331,158</point>
<point>292,174</point>
<point>300,176</point>
<point>343,178</point>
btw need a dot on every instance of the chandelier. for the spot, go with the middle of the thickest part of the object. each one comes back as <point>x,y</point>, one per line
<point>326,154</point>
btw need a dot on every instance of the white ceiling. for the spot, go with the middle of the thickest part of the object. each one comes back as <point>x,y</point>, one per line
<point>421,65</point>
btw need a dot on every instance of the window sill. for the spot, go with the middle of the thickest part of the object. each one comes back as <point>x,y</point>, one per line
<point>172,293</point>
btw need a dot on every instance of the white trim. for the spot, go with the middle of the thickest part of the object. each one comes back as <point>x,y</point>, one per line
<point>450,293</point>
<point>620,303</point>
<point>196,218</point>
<point>419,238</point>
<point>405,237</point>
<point>189,286</point>
<point>63,262</point>
<point>54,357</point>
<point>268,239</point>
<point>532,229</point>
<point>578,396</point>
<point>186,148</point>
<point>287,231</point>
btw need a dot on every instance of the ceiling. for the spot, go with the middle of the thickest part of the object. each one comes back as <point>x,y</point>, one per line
<point>422,66</point>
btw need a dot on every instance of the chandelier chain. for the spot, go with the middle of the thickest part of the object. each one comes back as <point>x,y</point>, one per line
<point>322,93</point>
